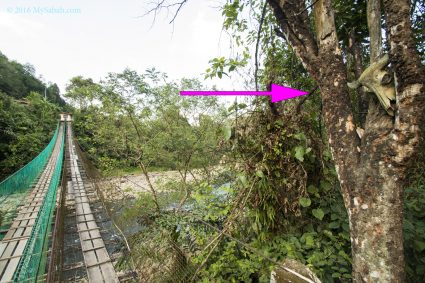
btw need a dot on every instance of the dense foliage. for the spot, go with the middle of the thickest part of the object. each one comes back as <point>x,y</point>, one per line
<point>25,129</point>
<point>257,185</point>
<point>281,193</point>
<point>27,119</point>
<point>132,120</point>
<point>18,81</point>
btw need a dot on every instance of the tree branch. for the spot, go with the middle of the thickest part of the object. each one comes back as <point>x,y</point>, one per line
<point>163,4</point>
<point>295,28</point>
<point>257,46</point>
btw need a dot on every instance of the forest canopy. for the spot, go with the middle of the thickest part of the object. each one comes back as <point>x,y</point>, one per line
<point>19,80</point>
<point>27,119</point>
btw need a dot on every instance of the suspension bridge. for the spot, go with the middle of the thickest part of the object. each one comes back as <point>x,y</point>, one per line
<point>55,228</point>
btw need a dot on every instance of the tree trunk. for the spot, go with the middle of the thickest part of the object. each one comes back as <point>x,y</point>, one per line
<point>376,228</point>
<point>374,26</point>
<point>409,78</point>
<point>376,212</point>
<point>371,170</point>
<point>146,174</point>
<point>363,98</point>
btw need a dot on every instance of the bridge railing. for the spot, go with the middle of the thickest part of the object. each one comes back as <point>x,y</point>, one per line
<point>32,263</point>
<point>22,179</point>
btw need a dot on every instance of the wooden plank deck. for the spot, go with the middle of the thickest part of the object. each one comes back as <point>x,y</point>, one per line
<point>96,258</point>
<point>13,244</point>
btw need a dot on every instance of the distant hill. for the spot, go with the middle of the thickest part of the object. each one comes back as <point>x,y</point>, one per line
<point>17,81</point>
<point>27,120</point>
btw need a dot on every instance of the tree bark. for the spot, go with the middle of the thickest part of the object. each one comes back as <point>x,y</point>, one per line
<point>371,170</point>
<point>375,210</point>
<point>374,26</point>
<point>376,213</point>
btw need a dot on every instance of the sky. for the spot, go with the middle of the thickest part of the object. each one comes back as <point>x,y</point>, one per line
<point>66,38</point>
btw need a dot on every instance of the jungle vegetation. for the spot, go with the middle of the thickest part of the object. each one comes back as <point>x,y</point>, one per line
<point>27,118</point>
<point>333,181</point>
<point>321,179</point>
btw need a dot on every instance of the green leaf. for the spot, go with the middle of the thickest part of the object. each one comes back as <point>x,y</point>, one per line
<point>326,186</point>
<point>344,255</point>
<point>419,245</point>
<point>299,153</point>
<point>318,213</point>
<point>259,173</point>
<point>336,275</point>
<point>242,106</point>
<point>333,225</point>
<point>334,216</point>
<point>309,241</point>
<point>312,189</point>
<point>227,130</point>
<point>243,180</point>
<point>300,136</point>
<point>305,202</point>
<point>344,270</point>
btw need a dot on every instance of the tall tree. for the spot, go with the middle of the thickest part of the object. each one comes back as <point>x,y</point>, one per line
<point>152,125</point>
<point>371,168</point>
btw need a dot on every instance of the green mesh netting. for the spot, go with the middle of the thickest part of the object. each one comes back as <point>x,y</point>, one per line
<point>14,189</point>
<point>22,179</point>
<point>34,255</point>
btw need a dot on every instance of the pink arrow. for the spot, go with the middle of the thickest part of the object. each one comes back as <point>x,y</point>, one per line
<point>278,93</point>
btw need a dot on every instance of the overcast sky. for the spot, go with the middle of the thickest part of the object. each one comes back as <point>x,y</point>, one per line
<point>92,38</point>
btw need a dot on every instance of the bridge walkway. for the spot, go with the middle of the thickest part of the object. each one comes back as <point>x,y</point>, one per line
<point>97,261</point>
<point>13,244</point>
